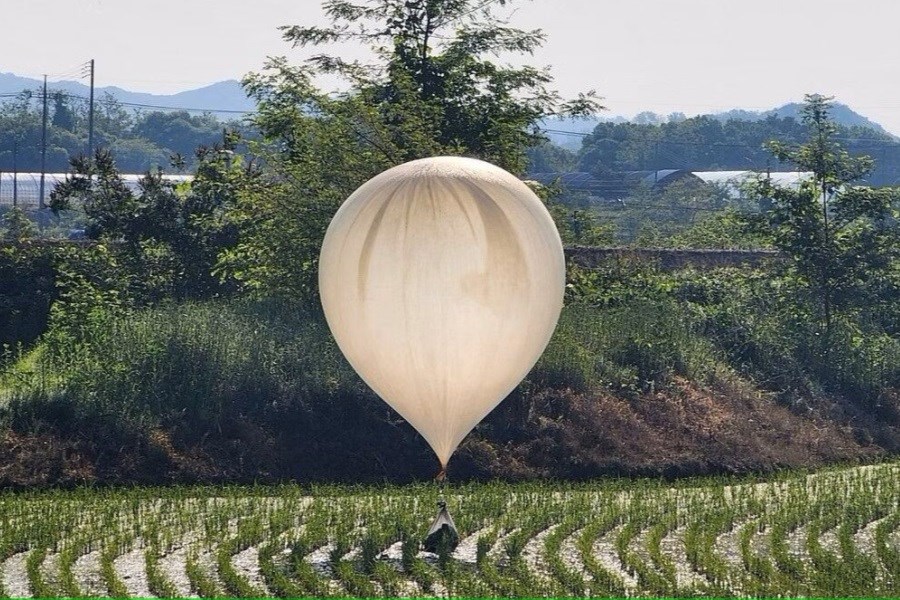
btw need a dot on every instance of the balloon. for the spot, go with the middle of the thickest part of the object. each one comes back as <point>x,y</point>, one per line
<point>442,280</point>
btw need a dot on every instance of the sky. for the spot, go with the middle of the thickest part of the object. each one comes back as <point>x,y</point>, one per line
<point>691,56</point>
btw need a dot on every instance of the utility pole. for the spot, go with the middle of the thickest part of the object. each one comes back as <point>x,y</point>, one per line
<point>43,146</point>
<point>656,161</point>
<point>91,117</point>
<point>15,173</point>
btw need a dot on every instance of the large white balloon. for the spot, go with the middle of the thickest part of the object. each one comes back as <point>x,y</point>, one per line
<point>442,280</point>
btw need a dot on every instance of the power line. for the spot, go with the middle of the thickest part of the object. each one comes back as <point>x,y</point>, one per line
<point>141,105</point>
<point>579,134</point>
<point>174,108</point>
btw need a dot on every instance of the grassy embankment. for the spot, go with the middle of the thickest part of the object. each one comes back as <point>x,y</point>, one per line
<point>648,373</point>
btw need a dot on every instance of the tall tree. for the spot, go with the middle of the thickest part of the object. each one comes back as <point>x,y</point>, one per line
<point>431,89</point>
<point>432,85</point>
<point>63,116</point>
<point>843,239</point>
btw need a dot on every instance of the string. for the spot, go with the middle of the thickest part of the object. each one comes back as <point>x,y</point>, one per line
<point>441,479</point>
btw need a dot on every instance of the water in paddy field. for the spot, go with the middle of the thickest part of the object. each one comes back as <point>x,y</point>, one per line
<point>833,533</point>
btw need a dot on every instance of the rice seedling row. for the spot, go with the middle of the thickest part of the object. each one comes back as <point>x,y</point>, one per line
<point>832,533</point>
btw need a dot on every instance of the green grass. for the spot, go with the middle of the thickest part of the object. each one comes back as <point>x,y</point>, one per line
<point>198,362</point>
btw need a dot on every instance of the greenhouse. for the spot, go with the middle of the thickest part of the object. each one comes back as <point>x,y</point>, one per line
<point>24,189</point>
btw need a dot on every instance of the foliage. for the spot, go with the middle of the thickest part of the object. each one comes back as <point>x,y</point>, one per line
<point>705,143</point>
<point>168,239</point>
<point>843,239</point>
<point>683,214</point>
<point>205,364</point>
<point>191,366</point>
<point>581,227</point>
<point>547,157</point>
<point>729,229</point>
<point>433,90</point>
<point>28,275</point>
<point>179,132</point>
<point>140,142</point>
<point>63,117</point>
<point>628,350</point>
<point>757,322</point>
<point>92,286</point>
<point>15,226</point>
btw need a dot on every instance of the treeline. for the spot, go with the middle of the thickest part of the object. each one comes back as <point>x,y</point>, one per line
<point>140,140</point>
<point>706,143</point>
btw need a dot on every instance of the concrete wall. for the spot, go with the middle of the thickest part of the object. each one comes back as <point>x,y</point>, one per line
<point>669,259</point>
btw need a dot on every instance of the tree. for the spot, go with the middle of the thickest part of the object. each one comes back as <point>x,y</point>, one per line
<point>432,89</point>
<point>111,118</point>
<point>433,86</point>
<point>21,135</point>
<point>178,131</point>
<point>167,238</point>
<point>843,239</point>
<point>547,157</point>
<point>63,117</point>
<point>707,143</point>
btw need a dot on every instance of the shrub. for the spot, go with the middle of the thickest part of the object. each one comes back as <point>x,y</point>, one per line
<point>28,288</point>
<point>195,363</point>
<point>627,350</point>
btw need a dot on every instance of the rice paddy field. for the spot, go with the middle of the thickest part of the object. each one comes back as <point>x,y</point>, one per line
<point>830,533</point>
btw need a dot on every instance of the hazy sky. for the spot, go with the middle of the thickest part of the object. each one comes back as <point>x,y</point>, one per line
<point>692,56</point>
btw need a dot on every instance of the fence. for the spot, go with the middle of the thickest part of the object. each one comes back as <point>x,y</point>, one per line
<point>670,259</point>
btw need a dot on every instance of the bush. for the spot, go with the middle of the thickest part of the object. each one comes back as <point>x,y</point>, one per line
<point>195,363</point>
<point>28,277</point>
<point>627,350</point>
<point>766,331</point>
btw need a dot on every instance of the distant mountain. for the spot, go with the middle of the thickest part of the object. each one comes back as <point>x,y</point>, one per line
<point>221,96</point>
<point>841,113</point>
<point>229,96</point>
<point>566,132</point>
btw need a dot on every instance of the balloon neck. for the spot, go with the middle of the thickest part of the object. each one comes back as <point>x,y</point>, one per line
<point>441,480</point>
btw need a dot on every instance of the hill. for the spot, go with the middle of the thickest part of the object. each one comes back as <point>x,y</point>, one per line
<point>241,392</point>
<point>225,96</point>
<point>568,131</point>
<point>841,113</point>
<point>228,96</point>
